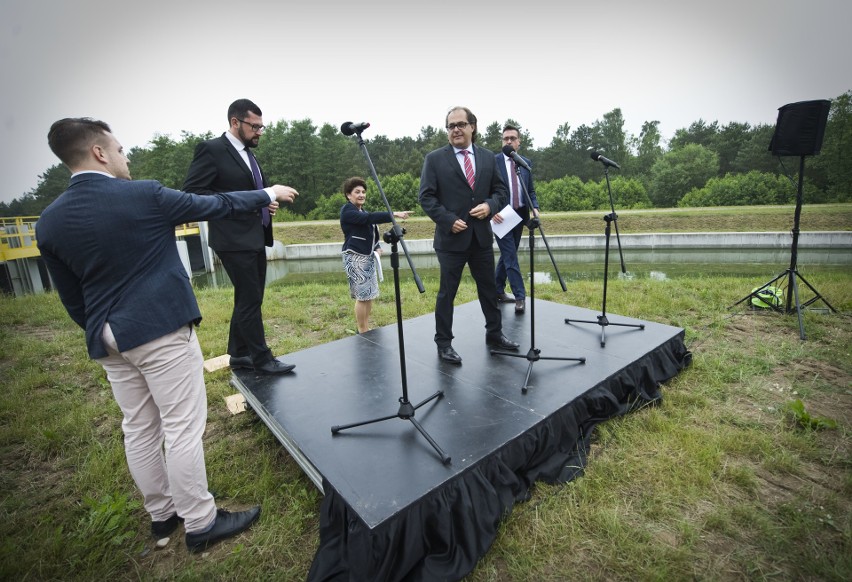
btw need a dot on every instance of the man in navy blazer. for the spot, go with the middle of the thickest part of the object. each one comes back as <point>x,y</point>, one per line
<point>226,164</point>
<point>459,190</point>
<point>109,246</point>
<point>507,265</point>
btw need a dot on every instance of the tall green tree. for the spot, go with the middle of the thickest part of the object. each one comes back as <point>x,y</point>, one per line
<point>679,171</point>
<point>754,154</point>
<point>290,154</point>
<point>492,137</point>
<point>611,137</point>
<point>648,148</point>
<point>578,163</point>
<point>165,160</point>
<point>550,162</point>
<point>834,159</point>
<point>430,138</point>
<point>699,133</point>
<point>51,184</point>
<point>729,142</point>
<point>339,159</point>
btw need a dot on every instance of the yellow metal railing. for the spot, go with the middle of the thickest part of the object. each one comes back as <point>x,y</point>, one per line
<point>18,236</point>
<point>188,229</point>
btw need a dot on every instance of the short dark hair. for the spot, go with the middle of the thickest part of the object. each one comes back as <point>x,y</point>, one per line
<point>351,183</point>
<point>71,137</point>
<point>242,107</point>
<point>510,127</point>
<point>471,119</point>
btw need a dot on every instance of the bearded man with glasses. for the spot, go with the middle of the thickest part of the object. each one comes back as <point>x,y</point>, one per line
<point>226,164</point>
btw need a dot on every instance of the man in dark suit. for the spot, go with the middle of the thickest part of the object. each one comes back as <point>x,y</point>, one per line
<point>507,265</point>
<point>109,246</point>
<point>225,164</point>
<point>459,190</point>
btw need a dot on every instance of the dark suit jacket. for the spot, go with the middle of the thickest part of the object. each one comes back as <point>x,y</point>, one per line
<point>109,246</point>
<point>446,196</point>
<point>360,233</point>
<point>526,181</point>
<point>218,167</point>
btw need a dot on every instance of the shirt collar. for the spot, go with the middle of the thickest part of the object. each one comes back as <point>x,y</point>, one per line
<point>108,175</point>
<point>238,145</point>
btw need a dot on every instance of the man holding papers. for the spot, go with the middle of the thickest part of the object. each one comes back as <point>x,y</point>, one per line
<point>516,214</point>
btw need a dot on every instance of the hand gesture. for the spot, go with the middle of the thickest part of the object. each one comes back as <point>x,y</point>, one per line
<point>284,193</point>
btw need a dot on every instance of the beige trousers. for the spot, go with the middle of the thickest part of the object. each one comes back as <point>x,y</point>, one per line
<point>159,387</point>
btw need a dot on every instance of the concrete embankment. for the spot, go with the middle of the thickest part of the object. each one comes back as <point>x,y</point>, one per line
<point>590,242</point>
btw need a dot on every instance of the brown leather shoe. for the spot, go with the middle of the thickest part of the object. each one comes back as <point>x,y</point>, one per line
<point>520,306</point>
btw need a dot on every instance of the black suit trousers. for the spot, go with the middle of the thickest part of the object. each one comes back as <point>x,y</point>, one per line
<point>247,271</point>
<point>480,260</point>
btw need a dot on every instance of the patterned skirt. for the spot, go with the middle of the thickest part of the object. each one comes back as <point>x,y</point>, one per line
<point>361,272</point>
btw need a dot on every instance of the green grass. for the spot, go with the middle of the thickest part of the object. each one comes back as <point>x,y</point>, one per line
<point>718,482</point>
<point>815,217</point>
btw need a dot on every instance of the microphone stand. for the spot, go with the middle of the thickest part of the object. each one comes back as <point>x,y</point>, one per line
<point>534,354</point>
<point>602,319</point>
<point>393,237</point>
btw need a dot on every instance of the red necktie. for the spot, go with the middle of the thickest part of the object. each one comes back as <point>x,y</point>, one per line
<point>258,183</point>
<point>515,202</point>
<point>468,168</point>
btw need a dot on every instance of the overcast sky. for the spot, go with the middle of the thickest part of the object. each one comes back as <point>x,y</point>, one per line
<point>155,67</point>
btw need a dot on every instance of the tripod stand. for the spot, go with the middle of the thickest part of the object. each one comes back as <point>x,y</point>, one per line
<point>792,274</point>
<point>611,218</point>
<point>393,237</point>
<point>534,354</point>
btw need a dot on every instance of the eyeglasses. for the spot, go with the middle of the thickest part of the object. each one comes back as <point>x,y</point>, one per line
<point>510,138</point>
<point>460,125</point>
<point>254,127</point>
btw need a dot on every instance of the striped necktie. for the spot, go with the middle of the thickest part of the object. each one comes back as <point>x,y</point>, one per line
<point>468,168</point>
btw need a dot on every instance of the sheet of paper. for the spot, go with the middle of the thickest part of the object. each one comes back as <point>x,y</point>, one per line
<point>510,220</point>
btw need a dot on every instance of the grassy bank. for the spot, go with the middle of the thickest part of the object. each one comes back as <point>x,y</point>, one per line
<point>719,482</point>
<point>724,219</point>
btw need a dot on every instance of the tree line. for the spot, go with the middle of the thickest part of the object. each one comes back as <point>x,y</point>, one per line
<point>705,164</point>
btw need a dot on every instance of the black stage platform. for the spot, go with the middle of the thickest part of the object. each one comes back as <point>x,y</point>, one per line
<point>392,510</point>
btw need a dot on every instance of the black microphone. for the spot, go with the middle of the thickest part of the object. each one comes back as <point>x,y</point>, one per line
<point>349,127</point>
<point>510,151</point>
<point>599,158</point>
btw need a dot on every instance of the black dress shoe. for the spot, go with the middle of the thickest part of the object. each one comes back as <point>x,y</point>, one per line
<point>448,354</point>
<point>237,362</point>
<point>520,306</point>
<point>503,298</point>
<point>275,367</point>
<point>227,525</point>
<point>501,341</point>
<point>163,529</point>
